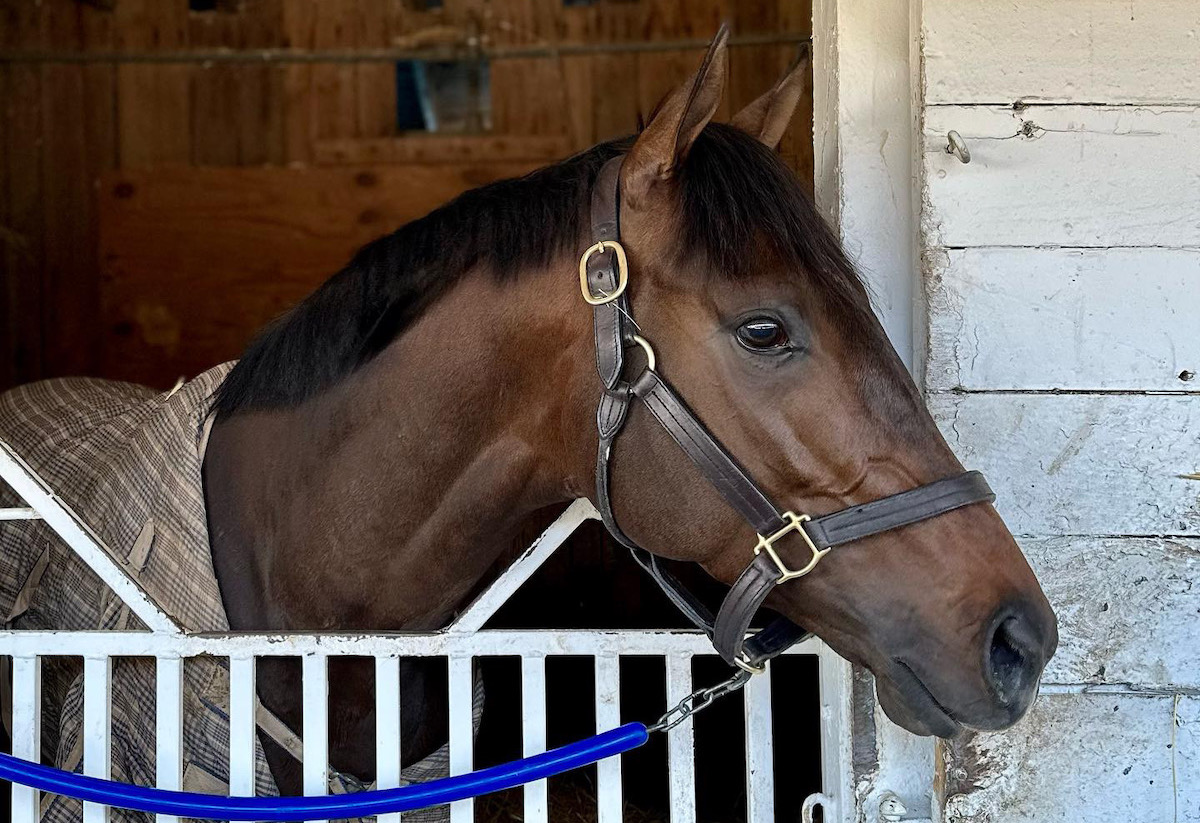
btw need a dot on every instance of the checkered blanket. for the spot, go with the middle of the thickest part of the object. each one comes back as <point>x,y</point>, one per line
<point>128,461</point>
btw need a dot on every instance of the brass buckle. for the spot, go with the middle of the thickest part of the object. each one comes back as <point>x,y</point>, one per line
<point>767,544</point>
<point>622,273</point>
<point>743,663</point>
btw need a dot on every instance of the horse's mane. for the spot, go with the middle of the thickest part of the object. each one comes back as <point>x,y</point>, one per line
<point>735,193</point>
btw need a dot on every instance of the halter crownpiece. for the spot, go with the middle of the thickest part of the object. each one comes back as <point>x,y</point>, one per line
<point>603,281</point>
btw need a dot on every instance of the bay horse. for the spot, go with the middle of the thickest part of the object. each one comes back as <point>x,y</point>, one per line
<point>375,451</point>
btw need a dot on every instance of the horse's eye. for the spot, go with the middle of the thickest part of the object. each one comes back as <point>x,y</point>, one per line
<point>762,334</point>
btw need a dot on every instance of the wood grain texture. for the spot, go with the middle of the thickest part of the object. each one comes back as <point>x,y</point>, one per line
<point>435,148</point>
<point>196,260</point>
<point>1064,175</point>
<point>1116,319</point>
<point>1084,51</point>
<point>1107,465</point>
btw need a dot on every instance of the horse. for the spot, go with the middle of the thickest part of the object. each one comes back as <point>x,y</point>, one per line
<point>374,452</point>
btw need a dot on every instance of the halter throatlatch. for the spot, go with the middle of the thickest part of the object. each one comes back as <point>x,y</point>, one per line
<point>603,278</point>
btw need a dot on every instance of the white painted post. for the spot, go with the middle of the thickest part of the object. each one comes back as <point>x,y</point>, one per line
<point>243,726</point>
<point>608,716</point>
<point>168,727</point>
<point>387,727</point>
<point>462,738</point>
<point>97,729</point>
<point>316,724</point>
<point>19,514</point>
<point>681,743</point>
<point>760,750</point>
<point>533,732</point>
<point>26,732</point>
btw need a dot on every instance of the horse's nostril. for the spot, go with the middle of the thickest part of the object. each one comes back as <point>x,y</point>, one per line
<point>1014,659</point>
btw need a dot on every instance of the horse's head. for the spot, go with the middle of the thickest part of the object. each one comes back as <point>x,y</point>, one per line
<point>760,323</point>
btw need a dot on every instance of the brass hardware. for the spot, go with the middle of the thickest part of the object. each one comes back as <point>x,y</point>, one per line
<point>767,544</point>
<point>645,344</point>
<point>622,273</point>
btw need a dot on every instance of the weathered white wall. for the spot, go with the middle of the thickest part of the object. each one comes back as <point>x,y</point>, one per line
<point>1061,270</point>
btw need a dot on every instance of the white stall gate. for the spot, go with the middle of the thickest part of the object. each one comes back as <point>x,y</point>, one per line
<point>460,644</point>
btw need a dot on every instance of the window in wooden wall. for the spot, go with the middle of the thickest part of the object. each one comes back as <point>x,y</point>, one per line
<point>443,97</point>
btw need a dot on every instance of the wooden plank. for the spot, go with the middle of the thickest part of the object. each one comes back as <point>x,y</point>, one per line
<point>376,97</point>
<point>1126,609</point>
<point>24,227</point>
<point>336,84</point>
<point>1084,176</point>
<point>1085,51</point>
<point>1075,757</point>
<point>299,100</point>
<point>177,242</point>
<point>615,108</point>
<point>579,92</point>
<point>70,273</point>
<point>1120,319</point>
<point>517,111</point>
<point>1058,463</point>
<point>440,148</point>
<point>153,110</point>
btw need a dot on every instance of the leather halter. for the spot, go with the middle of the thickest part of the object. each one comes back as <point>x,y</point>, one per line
<point>603,278</point>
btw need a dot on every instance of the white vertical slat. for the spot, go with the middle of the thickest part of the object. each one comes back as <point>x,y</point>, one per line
<point>533,732</point>
<point>168,727</point>
<point>760,750</point>
<point>26,732</point>
<point>608,716</point>
<point>387,728</point>
<point>97,732</point>
<point>316,725</point>
<point>681,743</point>
<point>461,732</point>
<point>242,726</point>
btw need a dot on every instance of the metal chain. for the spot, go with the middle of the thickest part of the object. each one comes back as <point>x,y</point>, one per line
<point>698,700</point>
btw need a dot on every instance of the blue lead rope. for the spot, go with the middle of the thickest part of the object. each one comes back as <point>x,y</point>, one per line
<point>377,801</point>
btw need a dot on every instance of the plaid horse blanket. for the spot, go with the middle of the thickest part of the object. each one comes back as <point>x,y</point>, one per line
<point>128,461</point>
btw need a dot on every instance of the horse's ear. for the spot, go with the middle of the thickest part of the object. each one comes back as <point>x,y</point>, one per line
<point>678,121</point>
<point>767,117</point>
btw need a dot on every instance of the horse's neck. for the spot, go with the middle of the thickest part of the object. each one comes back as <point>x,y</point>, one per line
<point>385,501</point>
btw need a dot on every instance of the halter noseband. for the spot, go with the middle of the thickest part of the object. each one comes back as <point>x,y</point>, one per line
<point>603,278</point>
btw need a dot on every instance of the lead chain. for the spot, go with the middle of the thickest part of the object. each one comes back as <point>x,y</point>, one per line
<point>698,700</point>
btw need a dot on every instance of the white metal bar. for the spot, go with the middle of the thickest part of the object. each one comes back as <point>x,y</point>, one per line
<point>760,750</point>
<point>19,514</point>
<point>97,730</point>
<point>520,642</point>
<point>835,676</point>
<point>533,732</point>
<point>681,743</point>
<point>498,593</point>
<point>82,540</point>
<point>26,732</point>
<point>243,726</point>
<point>608,717</point>
<point>462,737</point>
<point>168,727</point>
<point>387,728</point>
<point>316,724</point>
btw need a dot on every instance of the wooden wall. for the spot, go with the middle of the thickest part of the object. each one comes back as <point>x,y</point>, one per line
<point>226,189</point>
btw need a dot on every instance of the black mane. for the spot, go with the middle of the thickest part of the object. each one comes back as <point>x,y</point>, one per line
<point>735,193</point>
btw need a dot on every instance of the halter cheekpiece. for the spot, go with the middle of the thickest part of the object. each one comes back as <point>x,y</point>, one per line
<point>603,281</point>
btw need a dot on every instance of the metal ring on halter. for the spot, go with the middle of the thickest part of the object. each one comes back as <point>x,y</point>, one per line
<point>647,348</point>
